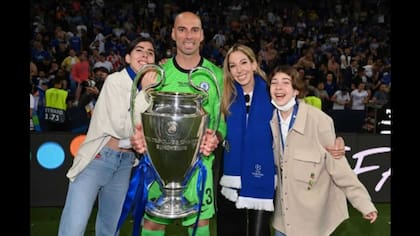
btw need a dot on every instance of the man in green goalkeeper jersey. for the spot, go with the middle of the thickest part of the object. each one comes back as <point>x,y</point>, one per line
<point>187,32</point>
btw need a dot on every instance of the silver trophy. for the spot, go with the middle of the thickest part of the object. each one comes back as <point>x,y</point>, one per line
<point>173,126</point>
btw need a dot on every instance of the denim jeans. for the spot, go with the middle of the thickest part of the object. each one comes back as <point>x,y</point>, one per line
<point>278,233</point>
<point>106,177</point>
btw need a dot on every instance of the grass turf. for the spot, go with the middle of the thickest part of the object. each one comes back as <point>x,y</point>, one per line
<point>44,222</point>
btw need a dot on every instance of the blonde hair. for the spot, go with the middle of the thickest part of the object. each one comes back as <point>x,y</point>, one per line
<point>229,90</point>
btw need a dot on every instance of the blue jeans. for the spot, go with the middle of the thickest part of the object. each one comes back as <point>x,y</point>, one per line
<point>107,177</point>
<point>278,233</point>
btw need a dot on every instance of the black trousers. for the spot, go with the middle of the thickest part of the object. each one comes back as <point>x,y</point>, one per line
<point>243,222</point>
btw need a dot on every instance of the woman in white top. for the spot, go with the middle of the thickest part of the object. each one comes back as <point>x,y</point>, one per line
<point>359,97</point>
<point>103,163</point>
<point>341,99</point>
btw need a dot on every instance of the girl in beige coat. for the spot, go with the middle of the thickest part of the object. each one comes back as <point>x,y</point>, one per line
<point>312,188</point>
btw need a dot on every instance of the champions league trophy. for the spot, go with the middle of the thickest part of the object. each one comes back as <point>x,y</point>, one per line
<point>173,126</point>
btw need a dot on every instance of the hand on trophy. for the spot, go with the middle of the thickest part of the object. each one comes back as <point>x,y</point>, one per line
<point>137,140</point>
<point>209,142</point>
<point>148,78</point>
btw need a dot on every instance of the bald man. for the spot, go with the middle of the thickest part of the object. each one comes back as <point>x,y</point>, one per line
<point>187,33</point>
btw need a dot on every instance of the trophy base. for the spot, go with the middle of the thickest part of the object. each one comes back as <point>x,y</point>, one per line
<point>171,207</point>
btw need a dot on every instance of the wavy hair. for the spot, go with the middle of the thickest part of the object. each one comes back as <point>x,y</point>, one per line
<point>229,90</point>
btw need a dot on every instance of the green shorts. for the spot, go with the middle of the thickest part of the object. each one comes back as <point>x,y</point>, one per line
<point>190,193</point>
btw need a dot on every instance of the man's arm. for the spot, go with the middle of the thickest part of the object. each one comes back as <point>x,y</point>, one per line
<point>338,150</point>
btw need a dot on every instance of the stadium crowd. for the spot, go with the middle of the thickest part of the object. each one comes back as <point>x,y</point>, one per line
<point>340,47</point>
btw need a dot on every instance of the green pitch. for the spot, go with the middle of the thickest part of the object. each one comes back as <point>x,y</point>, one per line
<point>44,222</point>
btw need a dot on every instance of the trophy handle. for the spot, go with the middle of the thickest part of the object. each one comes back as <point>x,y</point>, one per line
<point>134,91</point>
<point>205,92</point>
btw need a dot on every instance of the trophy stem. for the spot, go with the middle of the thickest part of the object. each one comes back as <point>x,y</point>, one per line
<point>171,204</point>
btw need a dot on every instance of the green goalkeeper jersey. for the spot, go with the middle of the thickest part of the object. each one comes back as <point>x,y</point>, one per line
<point>176,80</point>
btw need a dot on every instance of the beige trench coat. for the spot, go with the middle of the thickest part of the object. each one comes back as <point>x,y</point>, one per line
<point>313,187</point>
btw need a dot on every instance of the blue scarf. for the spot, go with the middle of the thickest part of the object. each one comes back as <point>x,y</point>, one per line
<point>136,197</point>
<point>249,153</point>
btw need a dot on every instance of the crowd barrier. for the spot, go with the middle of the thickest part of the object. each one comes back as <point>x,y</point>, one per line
<point>51,155</point>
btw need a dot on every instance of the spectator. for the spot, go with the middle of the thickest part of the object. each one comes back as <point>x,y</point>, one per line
<point>311,98</point>
<point>382,95</point>
<point>359,97</point>
<point>55,107</point>
<point>79,74</point>
<point>341,99</point>
<point>103,63</point>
